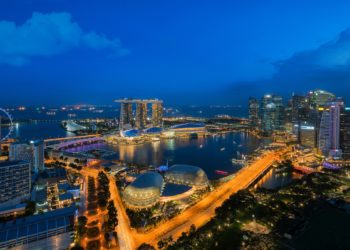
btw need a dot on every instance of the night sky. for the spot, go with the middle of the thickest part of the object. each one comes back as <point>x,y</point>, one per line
<point>185,52</point>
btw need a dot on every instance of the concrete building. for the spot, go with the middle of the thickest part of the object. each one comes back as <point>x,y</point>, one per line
<point>15,182</point>
<point>21,152</point>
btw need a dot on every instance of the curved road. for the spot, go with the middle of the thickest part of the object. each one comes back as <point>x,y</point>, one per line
<point>198,214</point>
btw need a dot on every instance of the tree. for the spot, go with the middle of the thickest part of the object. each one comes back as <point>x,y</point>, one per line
<point>145,246</point>
<point>81,226</point>
<point>112,216</point>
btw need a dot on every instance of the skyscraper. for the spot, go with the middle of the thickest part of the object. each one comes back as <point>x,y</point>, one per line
<point>15,182</point>
<point>253,111</point>
<point>157,114</point>
<point>299,109</point>
<point>345,132</point>
<point>38,155</point>
<point>126,114</point>
<point>141,115</point>
<point>330,129</point>
<point>320,98</point>
<point>272,117</point>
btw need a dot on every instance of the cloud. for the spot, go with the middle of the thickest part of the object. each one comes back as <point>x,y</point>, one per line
<point>49,34</point>
<point>327,67</point>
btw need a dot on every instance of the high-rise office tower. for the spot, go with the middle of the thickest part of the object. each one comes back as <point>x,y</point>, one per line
<point>329,134</point>
<point>279,112</point>
<point>345,132</point>
<point>38,155</point>
<point>157,114</point>
<point>125,114</point>
<point>141,115</point>
<point>320,98</point>
<point>15,182</point>
<point>253,111</point>
<point>272,117</point>
<point>299,109</point>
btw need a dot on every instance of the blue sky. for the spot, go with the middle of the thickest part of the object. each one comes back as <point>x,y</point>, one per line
<point>186,52</point>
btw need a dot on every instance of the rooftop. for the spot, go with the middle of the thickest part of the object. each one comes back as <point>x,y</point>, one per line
<point>12,163</point>
<point>146,180</point>
<point>34,224</point>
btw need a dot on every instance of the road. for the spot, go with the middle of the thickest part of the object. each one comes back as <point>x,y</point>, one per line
<point>204,210</point>
<point>198,214</point>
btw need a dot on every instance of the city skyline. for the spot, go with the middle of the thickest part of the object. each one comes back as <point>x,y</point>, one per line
<point>63,54</point>
<point>167,125</point>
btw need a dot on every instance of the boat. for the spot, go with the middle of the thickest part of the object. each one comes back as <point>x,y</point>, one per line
<point>155,139</point>
<point>222,149</point>
<point>221,172</point>
<point>201,146</point>
<point>240,160</point>
<point>234,142</point>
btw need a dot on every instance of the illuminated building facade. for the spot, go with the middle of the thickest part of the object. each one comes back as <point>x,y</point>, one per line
<point>127,120</point>
<point>38,151</point>
<point>141,115</point>
<point>320,98</point>
<point>187,175</point>
<point>157,114</point>
<point>253,111</point>
<point>307,136</point>
<point>126,114</point>
<point>15,182</point>
<point>329,134</point>
<point>271,112</point>
<point>345,132</point>
<point>145,191</point>
<point>21,152</point>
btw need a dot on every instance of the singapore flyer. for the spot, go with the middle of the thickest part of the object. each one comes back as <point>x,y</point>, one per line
<point>6,125</point>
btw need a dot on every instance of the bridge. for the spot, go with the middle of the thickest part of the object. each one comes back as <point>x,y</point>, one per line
<point>71,138</point>
<point>75,143</point>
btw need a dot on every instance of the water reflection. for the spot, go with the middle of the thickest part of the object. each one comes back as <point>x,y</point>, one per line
<point>274,179</point>
<point>209,153</point>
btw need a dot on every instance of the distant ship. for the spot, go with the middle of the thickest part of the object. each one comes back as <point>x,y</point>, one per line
<point>220,172</point>
<point>155,139</point>
<point>201,146</point>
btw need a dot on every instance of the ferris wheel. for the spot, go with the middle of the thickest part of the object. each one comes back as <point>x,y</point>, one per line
<point>4,115</point>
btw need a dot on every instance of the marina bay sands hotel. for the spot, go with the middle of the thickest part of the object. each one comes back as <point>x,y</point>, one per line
<point>140,121</point>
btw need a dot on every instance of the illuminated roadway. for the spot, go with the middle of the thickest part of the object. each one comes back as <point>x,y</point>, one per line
<point>198,214</point>
<point>204,210</point>
<point>71,138</point>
